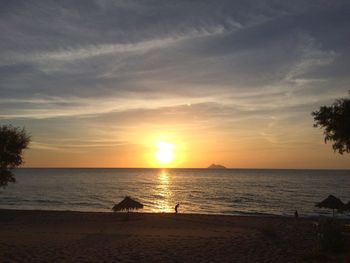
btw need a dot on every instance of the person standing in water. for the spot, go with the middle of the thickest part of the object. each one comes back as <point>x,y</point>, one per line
<point>176,207</point>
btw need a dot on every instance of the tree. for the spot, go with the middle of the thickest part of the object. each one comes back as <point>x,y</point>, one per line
<point>335,120</point>
<point>13,141</point>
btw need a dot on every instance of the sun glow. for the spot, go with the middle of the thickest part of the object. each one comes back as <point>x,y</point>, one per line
<point>164,150</point>
<point>165,153</point>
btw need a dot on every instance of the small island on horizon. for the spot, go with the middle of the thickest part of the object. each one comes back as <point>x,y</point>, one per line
<point>216,166</point>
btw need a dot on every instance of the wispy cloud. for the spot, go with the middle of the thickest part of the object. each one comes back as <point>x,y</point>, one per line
<point>254,68</point>
<point>77,53</point>
<point>52,147</point>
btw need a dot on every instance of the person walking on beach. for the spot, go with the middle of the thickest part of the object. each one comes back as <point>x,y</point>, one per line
<point>176,207</point>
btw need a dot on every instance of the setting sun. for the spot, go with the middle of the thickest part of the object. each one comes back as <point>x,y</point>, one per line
<point>165,152</point>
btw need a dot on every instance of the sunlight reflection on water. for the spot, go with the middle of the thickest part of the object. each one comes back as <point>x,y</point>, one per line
<point>235,191</point>
<point>163,191</point>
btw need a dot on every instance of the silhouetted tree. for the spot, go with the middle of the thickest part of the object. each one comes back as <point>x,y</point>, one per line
<point>335,120</point>
<point>13,141</point>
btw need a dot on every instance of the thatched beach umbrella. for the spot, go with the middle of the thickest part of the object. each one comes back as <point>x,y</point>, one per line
<point>127,204</point>
<point>345,207</point>
<point>331,202</point>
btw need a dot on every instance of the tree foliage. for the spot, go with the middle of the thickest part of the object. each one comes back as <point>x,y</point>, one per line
<point>13,141</point>
<point>335,120</point>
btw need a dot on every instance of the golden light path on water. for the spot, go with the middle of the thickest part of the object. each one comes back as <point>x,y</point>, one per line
<point>164,193</point>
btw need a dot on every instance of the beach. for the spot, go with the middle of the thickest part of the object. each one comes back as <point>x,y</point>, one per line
<point>175,131</point>
<point>66,236</point>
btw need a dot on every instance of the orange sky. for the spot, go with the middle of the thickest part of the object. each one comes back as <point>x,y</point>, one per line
<point>198,149</point>
<point>100,83</point>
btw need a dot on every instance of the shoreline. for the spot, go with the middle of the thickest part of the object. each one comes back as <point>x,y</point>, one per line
<point>239,214</point>
<point>72,236</point>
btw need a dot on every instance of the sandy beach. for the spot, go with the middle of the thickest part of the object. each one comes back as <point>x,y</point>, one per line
<point>50,236</point>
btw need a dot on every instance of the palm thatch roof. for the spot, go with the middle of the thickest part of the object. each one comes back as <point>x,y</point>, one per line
<point>345,207</point>
<point>127,204</point>
<point>331,202</point>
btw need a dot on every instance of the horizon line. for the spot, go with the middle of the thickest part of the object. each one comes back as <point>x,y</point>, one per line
<point>204,168</point>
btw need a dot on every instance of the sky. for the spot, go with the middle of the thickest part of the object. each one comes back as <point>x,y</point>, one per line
<point>101,83</point>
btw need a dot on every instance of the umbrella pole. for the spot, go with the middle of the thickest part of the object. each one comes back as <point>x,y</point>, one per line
<point>333,212</point>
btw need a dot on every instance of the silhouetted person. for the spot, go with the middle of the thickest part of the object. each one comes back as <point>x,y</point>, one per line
<point>176,207</point>
<point>296,215</point>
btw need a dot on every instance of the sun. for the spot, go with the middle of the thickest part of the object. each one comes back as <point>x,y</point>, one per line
<point>165,153</point>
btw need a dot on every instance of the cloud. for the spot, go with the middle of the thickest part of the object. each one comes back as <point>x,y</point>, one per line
<point>90,51</point>
<point>109,64</point>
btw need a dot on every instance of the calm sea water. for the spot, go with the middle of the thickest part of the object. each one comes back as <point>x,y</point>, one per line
<point>232,191</point>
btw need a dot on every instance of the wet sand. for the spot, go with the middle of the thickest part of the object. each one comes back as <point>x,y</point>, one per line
<point>50,236</point>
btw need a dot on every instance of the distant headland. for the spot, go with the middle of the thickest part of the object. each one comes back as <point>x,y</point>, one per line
<point>216,166</point>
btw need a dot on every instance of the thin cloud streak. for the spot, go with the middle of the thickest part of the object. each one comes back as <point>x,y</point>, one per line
<point>72,54</point>
<point>247,72</point>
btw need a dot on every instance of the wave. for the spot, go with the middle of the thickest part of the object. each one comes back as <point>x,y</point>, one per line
<point>246,192</point>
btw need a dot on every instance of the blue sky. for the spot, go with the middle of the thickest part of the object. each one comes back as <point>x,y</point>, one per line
<point>235,79</point>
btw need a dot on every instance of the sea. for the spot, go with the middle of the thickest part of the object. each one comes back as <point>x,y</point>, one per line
<point>205,191</point>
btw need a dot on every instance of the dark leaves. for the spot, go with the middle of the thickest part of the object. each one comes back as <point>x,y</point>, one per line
<point>6,177</point>
<point>335,120</point>
<point>13,141</point>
